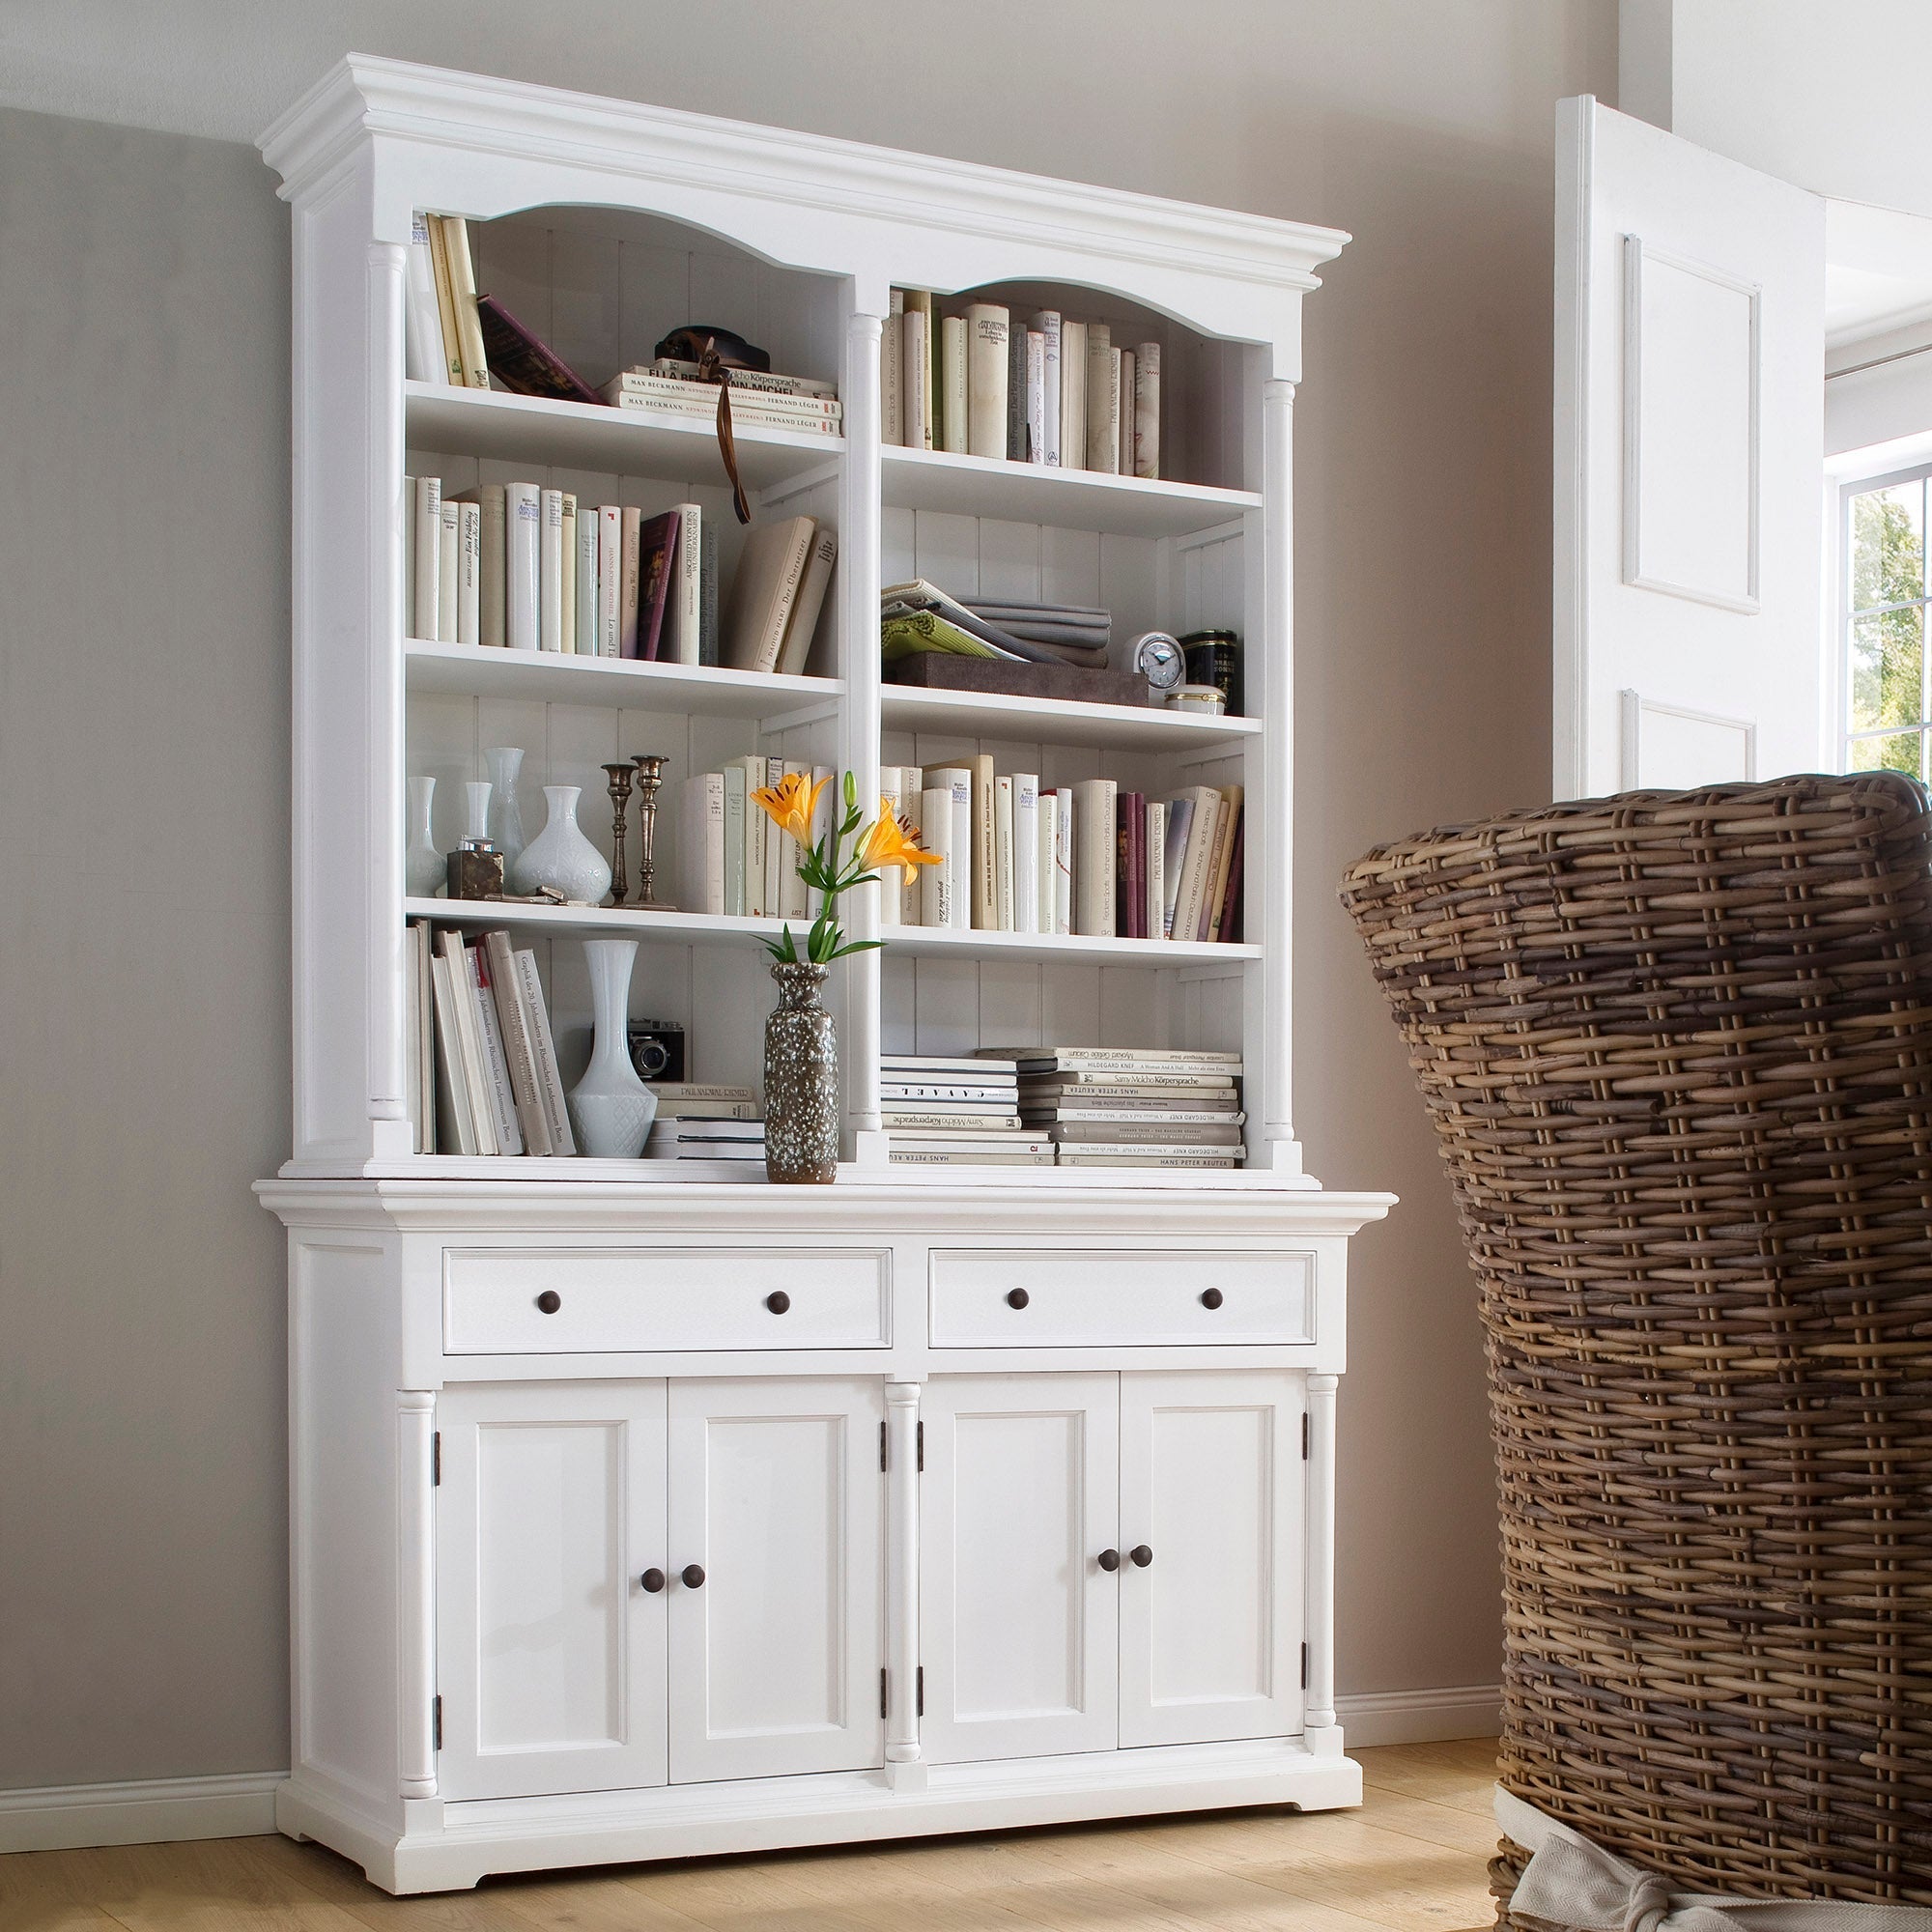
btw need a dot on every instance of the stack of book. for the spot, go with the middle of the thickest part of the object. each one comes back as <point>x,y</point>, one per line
<point>919,616</point>
<point>946,1110</point>
<point>1050,391</point>
<point>668,391</point>
<point>705,1121</point>
<point>1105,1106</point>
<point>482,1074</point>
<point>732,859</point>
<point>1015,856</point>
<point>528,568</point>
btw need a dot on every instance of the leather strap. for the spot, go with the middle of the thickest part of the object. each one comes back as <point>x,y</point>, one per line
<point>710,369</point>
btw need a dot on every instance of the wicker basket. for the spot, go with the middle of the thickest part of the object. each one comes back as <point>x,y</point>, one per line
<point>1678,1050</point>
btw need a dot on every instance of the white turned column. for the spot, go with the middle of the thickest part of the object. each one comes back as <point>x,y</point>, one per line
<point>902,1583</point>
<point>1318,1712</point>
<point>859,501</point>
<point>415,1592</point>
<point>1270,829</point>
<point>383,660</point>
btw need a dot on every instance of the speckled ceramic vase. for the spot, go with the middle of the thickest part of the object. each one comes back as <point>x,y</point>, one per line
<point>800,1079</point>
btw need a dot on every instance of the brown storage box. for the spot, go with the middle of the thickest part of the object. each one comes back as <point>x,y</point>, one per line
<point>943,671</point>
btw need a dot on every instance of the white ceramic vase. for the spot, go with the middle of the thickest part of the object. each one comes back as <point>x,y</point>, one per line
<point>476,799</point>
<point>610,1109</point>
<point>424,870</point>
<point>506,819</point>
<point>561,856</point>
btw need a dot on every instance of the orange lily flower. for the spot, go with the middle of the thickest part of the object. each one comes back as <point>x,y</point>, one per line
<point>790,802</point>
<point>890,843</point>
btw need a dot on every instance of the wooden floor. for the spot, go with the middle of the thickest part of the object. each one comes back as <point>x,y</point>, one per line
<point>1410,1860</point>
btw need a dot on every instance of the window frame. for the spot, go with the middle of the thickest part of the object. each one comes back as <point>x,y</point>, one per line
<point>1844,617</point>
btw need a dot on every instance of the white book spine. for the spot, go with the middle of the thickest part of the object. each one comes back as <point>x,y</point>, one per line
<point>550,1083</point>
<point>1146,409</point>
<point>681,612</point>
<point>586,605</point>
<point>1063,860</point>
<point>892,802</point>
<point>955,404</point>
<point>448,543</point>
<point>1156,878</point>
<point>735,804</point>
<point>778,854</point>
<point>916,371</point>
<point>1034,441</point>
<point>1123,414</point>
<point>1043,867</point>
<point>987,375</point>
<point>522,508</point>
<point>912,894</point>
<point>1047,322</point>
<point>455,1122</point>
<point>1026,852</point>
<point>1019,449</point>
<point>567,574</point>
<point>423,341</point>
<point>406,519</point>
<point>468,572</point>
<point>1073,395</point>
<point>794,894</point>
<point>714,842</point>
<point>892,341</point>
<point>1005,876</point>
<point>935,882</point>
<point>1103,386</point>
<point>1094,851</point>
<point>757,827</point>
<point>550,570</point>
<point>960,863</point>
<point>609,576</point>
<point>428,555</point>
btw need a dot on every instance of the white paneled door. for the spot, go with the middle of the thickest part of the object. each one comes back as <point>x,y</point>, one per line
<point>1212,1485</point>
<point>1688,464</point>
<point>1019,1579</point>
<point>777,1577</point>
<point>550,1648</point>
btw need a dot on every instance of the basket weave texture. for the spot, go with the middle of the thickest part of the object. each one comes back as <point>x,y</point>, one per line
<point>1677,1048</point>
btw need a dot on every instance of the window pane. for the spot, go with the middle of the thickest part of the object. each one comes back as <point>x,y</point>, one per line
<point>1896,753</point>
<point>1887,653</point>
<point>1889,545</point>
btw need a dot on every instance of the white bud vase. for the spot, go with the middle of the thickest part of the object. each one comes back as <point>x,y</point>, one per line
<point>610,1109</point>
<point>506,819</point>
<point>561,857</point>
<point>424,870</point>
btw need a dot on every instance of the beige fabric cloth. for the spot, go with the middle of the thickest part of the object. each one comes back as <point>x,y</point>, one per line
<point>1572,1883</point>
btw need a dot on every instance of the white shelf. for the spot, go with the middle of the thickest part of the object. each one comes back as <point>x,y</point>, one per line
<point>557,678</point>
<point>975,714</point>
<point>929,940</point>
<point>1074,499</point>
<point>581,436</point>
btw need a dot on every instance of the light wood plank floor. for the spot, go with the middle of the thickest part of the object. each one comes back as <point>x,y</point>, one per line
<point>1410,1860</point>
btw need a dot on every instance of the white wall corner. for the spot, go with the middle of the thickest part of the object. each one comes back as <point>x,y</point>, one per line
<point>150,1811</point>
<point>1372,1718</point>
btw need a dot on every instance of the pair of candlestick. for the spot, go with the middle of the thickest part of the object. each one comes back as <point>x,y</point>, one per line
<point>646,772</point>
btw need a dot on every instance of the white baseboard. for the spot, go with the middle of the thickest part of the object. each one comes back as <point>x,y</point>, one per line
<point>1421,1716</point>
<point>152,1811</point>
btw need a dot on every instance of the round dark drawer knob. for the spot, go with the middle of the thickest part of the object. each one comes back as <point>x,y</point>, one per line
<point>1140,1556</point>
<point>1109,1559</point>
<point>550,1301</point>
<point>653,1582</point>
<point>1017,1298</point>
<point>1210,1297</point>
<point>694,1577</point>
<point>778,1301</point>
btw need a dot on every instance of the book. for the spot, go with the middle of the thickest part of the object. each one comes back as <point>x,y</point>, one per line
<point>1179,815</point>
<point>468,1077</point>
<point>891,803</point>
<point>456,1124</point>
<point>1146,409</point>
<point>707,594</point>
<point>747,411</point>
<point>793,891</point>
<point>986,327</point>
<point>428,553</point>
<point>1073,395</point>
<point>491,565</point>
<point>670,1091</point>
<point>567,572</point>
<point>702,832</point>
<point>513,1022</point>
<point>523,519</point>
<point>1104,399</point>
<point>549,1082</point>
<point>657,560</point>
<point>1047,323</point>
<point>1016,392</point>
<point>1087,1155</point>
<point>1161,1129</point>
<point>1225,824</point>
<point>1227,928</point>
<point>468,571</point>
<point>1218,1060</point>
<point>939,1088</point>
<point>944,1120</point>
<point>900,1156</point>
<point>683,612</point>
<point>709,1110</point>
<point>1004,910</point>
<point>760,381</point>
<point>1026,852</point>
<point>609,581</point>
<point>462,295</point>
<point>449,541</point>
<point>763,588</point>
<point>1033,407</point>
<point>630,567</point>
<point>985,883</point>
<point>583,601</point>
<point>550,570</point>
<point>757,827</point>
<point>800,627</point>
<point>916,369</point>
<point>954,403</point>
<point>1156,1115</point>
<point>1044,865</point>
<point>422,342</point>
<point>891,335</point>
<point>773,851</point>
<point>523,364</point>
<point>503,1097</point>
<point>1192,896</point>
<point>1063,860</point>
<point>936,882</point>
<point>701,398</point>
<point>735,808</point>
<point>998,1069</point>
<point>445,304</point>
<point>1153,910</point>
<point>1123,414</point>
<point>1094,850</point>
<point>997,1140</point>
<point>419,1073</point>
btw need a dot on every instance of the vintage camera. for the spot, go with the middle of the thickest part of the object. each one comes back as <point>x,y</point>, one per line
<point>657,1049</point>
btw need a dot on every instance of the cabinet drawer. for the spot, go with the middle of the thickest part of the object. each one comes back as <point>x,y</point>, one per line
<point>1061,1297</point>
<point>647,1300</point>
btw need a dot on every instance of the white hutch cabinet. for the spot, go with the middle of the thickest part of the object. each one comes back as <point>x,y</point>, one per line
<point>641,1509</point>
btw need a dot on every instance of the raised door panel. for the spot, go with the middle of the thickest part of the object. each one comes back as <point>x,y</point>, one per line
<point>550,1652</point>
<point>1211,1498</point>
<point>777,1497</point>
<point>1017,1611</point>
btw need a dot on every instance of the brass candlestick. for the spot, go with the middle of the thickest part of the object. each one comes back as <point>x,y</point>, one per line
<point>650,782</point>
<point>620,776</point>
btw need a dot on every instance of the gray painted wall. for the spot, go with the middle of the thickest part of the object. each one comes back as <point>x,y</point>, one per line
<point>144,734</point>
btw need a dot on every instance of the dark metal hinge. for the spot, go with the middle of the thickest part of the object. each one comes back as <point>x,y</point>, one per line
<point>1304,1435</point>
<point>436,1457</point>
<point>1304,1667</point>
<point>882,1691</point>
<point>882,1445</point>
<point>918,1436</point>
<point>919,1692</point>
<point>435,1721</point>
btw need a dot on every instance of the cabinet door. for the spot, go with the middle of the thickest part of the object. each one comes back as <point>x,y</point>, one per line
<point>1017,1615</point>
<point>1211,1489</point>
<point>777,1497</point>
<point>550,1652</point>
